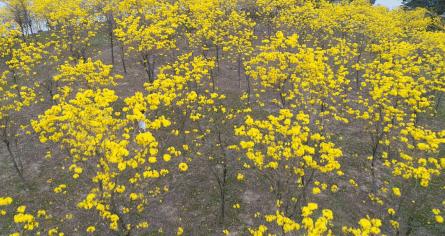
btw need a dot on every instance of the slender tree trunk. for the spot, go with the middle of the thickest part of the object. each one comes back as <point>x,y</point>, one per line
<point>248,88</point>
<point>22,29</point>
<point>375,148</point>
<point>124,66</point>
<point>112,47</point>
<point>111,35</point>
<point>217,59</point>
<point>212,77</point>
<point>222,183</point>
<point>147,67</point>
<point>438,100</point>
<point>14,161</point>
<point>223,193</point>
<point>357,71</point>
<point>239,71</point>
<point>152,69</point>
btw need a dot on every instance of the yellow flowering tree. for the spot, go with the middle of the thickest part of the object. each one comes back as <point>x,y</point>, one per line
<point>238,44</point>
<point>114,166</point>
<point>310,224</point>
<point>85,74</point>
<point>301,76</point>
<point>182,92</point>
<point>148,27</point>
<point>19,61</point>
<point>289,154</point>
<point>22,15</point>
<point>71,26</point>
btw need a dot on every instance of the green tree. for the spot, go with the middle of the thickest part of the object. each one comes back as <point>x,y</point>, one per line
<point>437,6</point>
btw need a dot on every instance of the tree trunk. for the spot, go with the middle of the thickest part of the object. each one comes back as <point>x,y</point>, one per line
<point>124,66</point>
<point>14,161</point>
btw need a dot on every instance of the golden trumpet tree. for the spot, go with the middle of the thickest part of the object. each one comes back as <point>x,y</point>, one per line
<point>148,27</point>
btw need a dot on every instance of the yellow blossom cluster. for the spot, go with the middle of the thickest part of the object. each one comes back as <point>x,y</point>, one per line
<point>368,226</point>
<point>310,225</point>
<point>87,74</point>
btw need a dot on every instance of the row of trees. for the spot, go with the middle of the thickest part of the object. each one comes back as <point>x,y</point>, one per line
<point>298,117</point>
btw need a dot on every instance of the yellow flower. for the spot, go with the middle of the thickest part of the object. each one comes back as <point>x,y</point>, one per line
<point>180,231</point>
<point>308,210</point>
<point>391,211</point>
<point>394,224</point>
<point>60,188</point>
<point>353,183</point>
<point>167,157</point>
<point>328,214</point>
<point>183,166</point>
<point>21,209</point>
<point>396,192</point>
<point>133,196</point>
<point>316,190</point>
<point>5,201</point>
<point>91,229</point>
<point>41,213</point>
<point>152,160</point>
<point>145,138</point>
<point>240,177</point>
